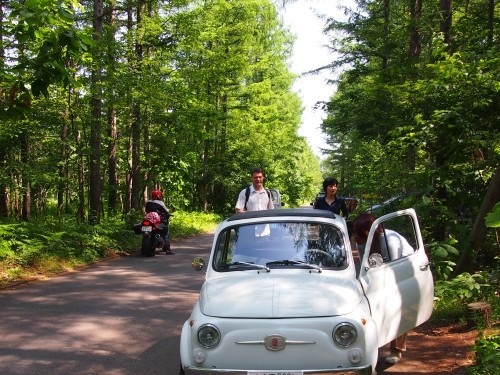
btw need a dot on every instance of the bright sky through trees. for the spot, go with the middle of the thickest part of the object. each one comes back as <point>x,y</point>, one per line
<point>310,53</point>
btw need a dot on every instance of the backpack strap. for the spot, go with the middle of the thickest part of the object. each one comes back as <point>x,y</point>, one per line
<point>247,195</point>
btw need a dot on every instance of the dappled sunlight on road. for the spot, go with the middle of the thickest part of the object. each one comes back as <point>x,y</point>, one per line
<point>119,317</point>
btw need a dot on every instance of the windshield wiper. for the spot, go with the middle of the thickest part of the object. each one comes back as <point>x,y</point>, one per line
<point>291,262</point>
<point>247,264</point>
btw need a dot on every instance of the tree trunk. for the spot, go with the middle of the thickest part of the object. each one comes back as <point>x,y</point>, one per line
<point>415,52</point>
<point>217,190</point>
<point>63,154</point>
<point>4,202</point>
<point>387,29</point>
<point>415,38</point>
<point>4,193</point>
<point>446,18</point>
<point>80,212</point>
<point>112,127</point>
<point>95,184</point>
<point>439,230</point>
<point>112,161</point>
<point>80,163</point>
<point>136,121</point>
<point>476,239</point>
<point>26,206</point>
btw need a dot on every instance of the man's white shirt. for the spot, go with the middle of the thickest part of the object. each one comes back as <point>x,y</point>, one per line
<point>257,201</point>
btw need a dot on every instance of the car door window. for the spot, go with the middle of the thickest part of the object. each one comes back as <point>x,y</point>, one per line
<point>397,238</point>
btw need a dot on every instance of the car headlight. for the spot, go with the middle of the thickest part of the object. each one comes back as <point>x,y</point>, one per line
<point>344,334</point>
<point>208,335</point>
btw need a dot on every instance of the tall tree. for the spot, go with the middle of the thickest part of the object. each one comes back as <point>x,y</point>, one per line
<point>439,100</point>
<point>111,83</point>
<point>3,155</point>
<point>135,174</point>
<point>95,180</point>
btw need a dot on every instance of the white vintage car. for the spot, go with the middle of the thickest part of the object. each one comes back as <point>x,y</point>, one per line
<point>284,295</point>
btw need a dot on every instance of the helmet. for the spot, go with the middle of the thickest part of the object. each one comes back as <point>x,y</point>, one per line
<point>156,194</point>
<point>153,217</point>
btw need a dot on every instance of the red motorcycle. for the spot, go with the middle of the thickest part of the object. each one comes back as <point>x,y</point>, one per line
<point>154,233</point>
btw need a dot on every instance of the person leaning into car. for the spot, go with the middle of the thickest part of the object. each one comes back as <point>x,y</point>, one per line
<point>330,201</point>
<point>400,248</point>
<point>258,198</point>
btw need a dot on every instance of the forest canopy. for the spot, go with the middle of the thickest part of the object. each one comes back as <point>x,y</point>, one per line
<point>102,101</point>
<point>416,115</point>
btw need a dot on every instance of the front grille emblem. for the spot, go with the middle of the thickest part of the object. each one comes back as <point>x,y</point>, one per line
<point>275,342</point>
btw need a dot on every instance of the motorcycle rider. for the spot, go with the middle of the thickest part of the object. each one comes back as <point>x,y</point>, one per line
<point>160,207</point>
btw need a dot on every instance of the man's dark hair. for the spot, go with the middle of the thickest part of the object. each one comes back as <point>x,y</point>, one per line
<point>256,170</point>
<point>329,181</point>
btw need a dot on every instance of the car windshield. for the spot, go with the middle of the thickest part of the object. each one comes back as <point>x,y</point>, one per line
<point>280,245</point>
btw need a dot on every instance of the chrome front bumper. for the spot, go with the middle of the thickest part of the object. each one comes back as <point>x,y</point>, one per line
<point>345,371</point>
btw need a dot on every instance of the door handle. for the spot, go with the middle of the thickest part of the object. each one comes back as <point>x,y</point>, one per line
<point>423,267</point>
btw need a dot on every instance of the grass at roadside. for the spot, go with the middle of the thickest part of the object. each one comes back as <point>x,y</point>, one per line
<point>49,245</point>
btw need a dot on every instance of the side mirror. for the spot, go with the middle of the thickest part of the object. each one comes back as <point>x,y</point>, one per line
<point>375,260</point>
<point>198,263</point>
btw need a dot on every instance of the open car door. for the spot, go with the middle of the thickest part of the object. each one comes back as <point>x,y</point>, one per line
<point>397,280</point>
<point>276,198</point>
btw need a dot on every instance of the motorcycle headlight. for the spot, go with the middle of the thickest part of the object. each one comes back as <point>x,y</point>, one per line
<point>344,334</point>
<point>208,335</point>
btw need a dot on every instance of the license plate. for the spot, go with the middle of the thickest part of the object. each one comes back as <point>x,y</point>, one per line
<point>275,373</point>
<point>147,228</point>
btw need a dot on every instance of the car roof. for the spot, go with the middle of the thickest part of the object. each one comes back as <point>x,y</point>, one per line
<point>286,212</point>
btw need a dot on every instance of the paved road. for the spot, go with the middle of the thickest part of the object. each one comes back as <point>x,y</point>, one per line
<point>119,317</point>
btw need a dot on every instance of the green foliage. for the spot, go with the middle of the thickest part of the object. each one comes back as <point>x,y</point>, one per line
<point>487,349</point>
<point>206,85</point>
<point>420,119</point>
<point>47,27</point>
<point>463,289</point>
<point>492,220</point>
<point>185,224</point>
<point>443,256</point>
<point>51,245</point>
<point>12,237</point>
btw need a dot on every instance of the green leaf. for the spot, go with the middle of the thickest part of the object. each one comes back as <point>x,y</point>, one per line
<point>450,249</point>
<point>441,252</point>
<point>492,220</point>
